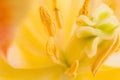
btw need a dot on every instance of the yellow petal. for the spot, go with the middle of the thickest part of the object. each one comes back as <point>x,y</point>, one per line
<point>30,51</point>
<point>11,14</point>
<point>105,73</point>
<point>51,73</point>
<point>15,9</point>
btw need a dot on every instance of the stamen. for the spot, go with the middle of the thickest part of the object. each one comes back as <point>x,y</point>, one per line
<point>84,10</point>
<point>51,50</point>
<point>98,63</point>
<point>47,21</point>
<point>73,69</point>
<point>58,15</point>
<point>59,22</point>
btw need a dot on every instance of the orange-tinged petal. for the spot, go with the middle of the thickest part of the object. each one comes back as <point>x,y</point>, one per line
<point>5,25</point>
<point>11,13</point>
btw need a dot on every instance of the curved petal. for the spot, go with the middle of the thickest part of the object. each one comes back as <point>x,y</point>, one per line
<point>28,52</point>
<point>30,43</point>
<point>107,74</point>
<point>13,11</point>
<point>50,73</point>
<point>11,14</point>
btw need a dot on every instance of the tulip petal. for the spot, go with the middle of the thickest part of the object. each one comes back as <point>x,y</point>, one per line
<point>30,52</point>
<point>107,74</point>
<point>51,73</point>
<point>11,14</point>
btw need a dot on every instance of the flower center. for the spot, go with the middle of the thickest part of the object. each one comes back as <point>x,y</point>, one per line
<point>92,37</point>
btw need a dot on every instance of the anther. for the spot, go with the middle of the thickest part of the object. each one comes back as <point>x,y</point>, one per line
<point>73,69</point>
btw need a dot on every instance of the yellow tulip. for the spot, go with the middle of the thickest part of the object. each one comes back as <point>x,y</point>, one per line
<point>63,40</point>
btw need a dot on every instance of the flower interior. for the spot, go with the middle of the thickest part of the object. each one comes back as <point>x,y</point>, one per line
<point>46,39</point>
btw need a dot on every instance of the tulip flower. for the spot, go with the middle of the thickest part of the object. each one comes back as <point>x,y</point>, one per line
<point>60,40</point>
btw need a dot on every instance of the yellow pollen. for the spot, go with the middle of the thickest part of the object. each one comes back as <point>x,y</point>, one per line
<point>58,15</point>
<point>73,69</point>
<point>59,23</point>
<point>84,10</point>
<point>51,50</point>
<point>47,21</point>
